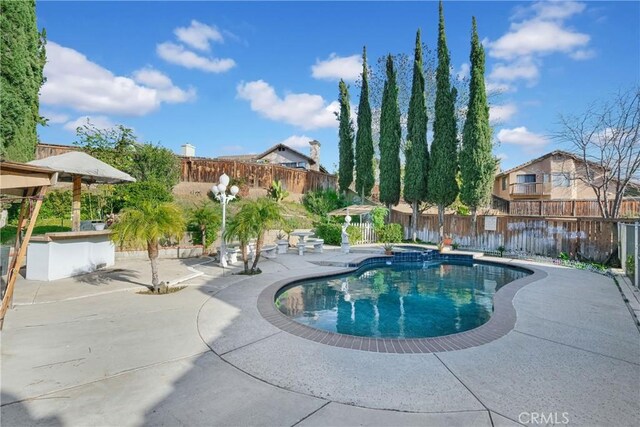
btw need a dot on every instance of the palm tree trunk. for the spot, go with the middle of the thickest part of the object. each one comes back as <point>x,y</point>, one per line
<point>245,256</point>
<point>152,250</point>
<point>259,243</point>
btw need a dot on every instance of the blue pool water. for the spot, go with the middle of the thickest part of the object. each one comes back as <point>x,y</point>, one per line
<point>405,300</point>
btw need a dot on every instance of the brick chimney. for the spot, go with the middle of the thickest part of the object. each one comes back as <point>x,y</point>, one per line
<point>315,155</point>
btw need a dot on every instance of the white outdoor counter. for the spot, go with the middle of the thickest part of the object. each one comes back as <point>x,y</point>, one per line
<point>55,256</point>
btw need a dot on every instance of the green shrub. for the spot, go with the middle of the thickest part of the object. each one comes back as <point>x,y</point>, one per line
<point>134,193</point>
<point>331,233</point>
<point>321,202</point>
<point>205,217</point>
<point>277,191</point>
<point>631,267</point>
<point>390,233</point>
<point>8,232</point>
<point>378,214</point>
<point>354,233</point>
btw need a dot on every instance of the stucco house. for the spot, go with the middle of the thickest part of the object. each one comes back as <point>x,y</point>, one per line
<point>553,176</point>
<point>283,155</point>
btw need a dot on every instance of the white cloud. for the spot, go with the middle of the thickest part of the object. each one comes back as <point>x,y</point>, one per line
<point>177,54</point>
<point>100,122</point>
<point>498,87</point>
<point>53,117</point>
<point>502,156</point>
<point>502,113</point>
<point>537,37</point>
<point>304,110</point>
<point>557,9</point>
<point>463,72</point>
<point>152,78</point>
<point>338,67</point>
<point>538,30</point>
<point>521,137</point>
<point>75,82</point>
<point>522,69</point>
<point>297,141</point>
<point>167,91</point>
<point>198,35</point>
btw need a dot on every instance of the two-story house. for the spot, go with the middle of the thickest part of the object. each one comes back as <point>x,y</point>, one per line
<point>558,175</point>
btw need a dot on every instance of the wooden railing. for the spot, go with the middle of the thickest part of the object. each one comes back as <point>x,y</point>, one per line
<point>530,189</point>
<point>570,208</point>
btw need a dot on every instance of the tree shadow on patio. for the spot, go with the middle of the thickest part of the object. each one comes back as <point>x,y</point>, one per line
<point>107,277</point>
<point>16,413</point>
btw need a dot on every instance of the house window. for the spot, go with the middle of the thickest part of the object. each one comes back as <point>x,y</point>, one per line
<point>504,183</point>
<point>526,178</point>
<point>561,180</point>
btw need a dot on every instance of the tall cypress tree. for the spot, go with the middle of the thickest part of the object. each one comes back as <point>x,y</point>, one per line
<point>477,164</point>
<point>443,186</point>
<point>21,63</point>
<point>345,133</point>
<point>390,135</point>
<point>416,149</point>
<point>364,139</point>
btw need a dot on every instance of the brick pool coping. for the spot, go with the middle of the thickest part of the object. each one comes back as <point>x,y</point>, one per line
<point>501,322</point>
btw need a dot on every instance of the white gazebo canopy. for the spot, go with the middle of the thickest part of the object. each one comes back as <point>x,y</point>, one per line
<point>90,169</point>
<point>79,167</point>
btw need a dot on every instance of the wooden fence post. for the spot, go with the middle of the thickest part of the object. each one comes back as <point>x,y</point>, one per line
<point>19,257</point>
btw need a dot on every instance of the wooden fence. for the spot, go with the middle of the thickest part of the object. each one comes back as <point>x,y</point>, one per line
<point>368,233</point>
<point>255,174</point>
<point>589,238</point>
<point>569,208</point>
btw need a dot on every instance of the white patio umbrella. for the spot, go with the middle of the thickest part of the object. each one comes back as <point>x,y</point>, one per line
<point>79,167</point>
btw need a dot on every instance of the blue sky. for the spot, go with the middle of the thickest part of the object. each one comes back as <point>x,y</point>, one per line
<point>236,78</point>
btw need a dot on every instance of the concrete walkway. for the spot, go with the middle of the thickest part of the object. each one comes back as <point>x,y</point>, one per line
<point>91,351</point>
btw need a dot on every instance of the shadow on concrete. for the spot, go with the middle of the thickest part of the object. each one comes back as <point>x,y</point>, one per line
<point>19,415</point>
<point>106,277</point>
<point>213,392</point>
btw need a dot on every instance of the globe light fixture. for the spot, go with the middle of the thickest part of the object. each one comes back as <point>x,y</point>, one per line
<point>220,193</point>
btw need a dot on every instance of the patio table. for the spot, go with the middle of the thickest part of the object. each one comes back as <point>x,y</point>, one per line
<point>302,235</point>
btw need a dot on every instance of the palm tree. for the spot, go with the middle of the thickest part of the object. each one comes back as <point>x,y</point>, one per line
<point>146,224</point>
<point>253,219</point>
<point>242,228</point>
<point>267,215</point>
<point>207,219</point>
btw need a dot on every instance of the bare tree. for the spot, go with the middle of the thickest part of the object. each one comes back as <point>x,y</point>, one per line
<point>606,140</point>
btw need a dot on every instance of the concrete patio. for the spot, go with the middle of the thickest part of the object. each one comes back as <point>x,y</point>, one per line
<point>91,351</point>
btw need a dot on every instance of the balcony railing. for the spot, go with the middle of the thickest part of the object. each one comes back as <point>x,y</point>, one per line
<point>530,189</point>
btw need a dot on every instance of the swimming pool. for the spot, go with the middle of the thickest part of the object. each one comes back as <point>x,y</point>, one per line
<point>403,300</point>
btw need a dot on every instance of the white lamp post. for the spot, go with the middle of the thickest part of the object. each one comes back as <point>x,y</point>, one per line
<point>220,192</point>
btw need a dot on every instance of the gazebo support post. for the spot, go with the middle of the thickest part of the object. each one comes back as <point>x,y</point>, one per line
<point>24,209</point>
<point>75,213</point>
<point>22,251</point>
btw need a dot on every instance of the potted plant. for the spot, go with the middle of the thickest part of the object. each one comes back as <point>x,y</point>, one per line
<point>501,250</point>
<point>388,248</point>
<point>282,242</point>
